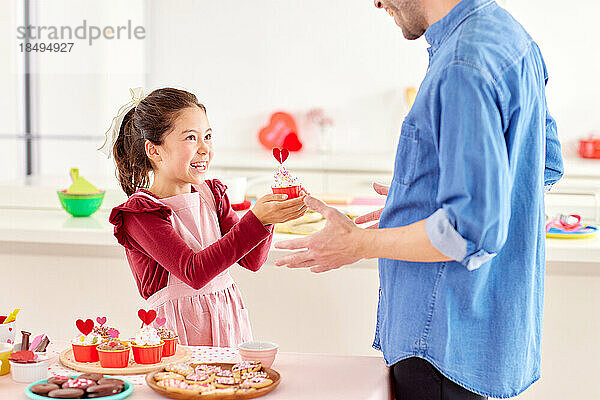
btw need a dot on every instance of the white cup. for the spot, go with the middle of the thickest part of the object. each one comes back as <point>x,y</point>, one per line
<point>236,188</point>
<point>7,332</point>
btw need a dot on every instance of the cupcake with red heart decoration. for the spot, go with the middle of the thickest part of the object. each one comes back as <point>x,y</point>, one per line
<point>284,181</point>
<point>168,336</point>
<point>104,330</point>
<point>113,354</point>
<point>84,345</point>
<point>147,346</point>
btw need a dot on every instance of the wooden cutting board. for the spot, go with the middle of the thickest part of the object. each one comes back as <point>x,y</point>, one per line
<point>66,358</point>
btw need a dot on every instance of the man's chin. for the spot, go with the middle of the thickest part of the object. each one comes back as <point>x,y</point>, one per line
<point>411,35</point>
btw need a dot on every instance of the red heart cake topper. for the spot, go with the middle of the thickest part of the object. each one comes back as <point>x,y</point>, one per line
<point>280,125</point>
<point>147,316</point>
<point>86,326</point>
<point>280,154</point>
<point>101,320</point>
<point>161,321</point>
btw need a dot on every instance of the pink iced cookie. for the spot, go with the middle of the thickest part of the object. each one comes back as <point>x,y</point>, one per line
<point>79,383</point>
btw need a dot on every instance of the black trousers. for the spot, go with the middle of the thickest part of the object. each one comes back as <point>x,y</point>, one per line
<point>416,379</point>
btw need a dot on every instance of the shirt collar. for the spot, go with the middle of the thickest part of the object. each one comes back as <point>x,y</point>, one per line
<point>439,31</point>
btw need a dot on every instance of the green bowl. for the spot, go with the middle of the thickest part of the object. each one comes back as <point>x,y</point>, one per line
<point>80,205</point>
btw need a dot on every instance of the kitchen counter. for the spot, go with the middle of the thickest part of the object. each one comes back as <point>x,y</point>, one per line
<point>22,227</point>
<point>303,376</point>
<point>303,161</point>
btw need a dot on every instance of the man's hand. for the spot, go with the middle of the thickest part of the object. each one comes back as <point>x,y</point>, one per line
<point>374,215</point>
<point>336,245</point>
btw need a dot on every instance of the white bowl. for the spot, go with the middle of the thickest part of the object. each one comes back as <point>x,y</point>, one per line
<point>32,372</point>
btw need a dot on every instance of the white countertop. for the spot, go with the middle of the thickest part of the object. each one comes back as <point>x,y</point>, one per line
<point>49,226</point>
<point>306,161</point>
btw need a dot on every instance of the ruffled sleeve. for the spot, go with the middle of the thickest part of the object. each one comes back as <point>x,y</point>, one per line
<point>135,205</point>
<point>218,189</point>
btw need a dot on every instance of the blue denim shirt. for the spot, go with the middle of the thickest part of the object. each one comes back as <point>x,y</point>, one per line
<point>474,155</point>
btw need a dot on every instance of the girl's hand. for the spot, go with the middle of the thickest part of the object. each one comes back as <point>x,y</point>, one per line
<point>374,215</point>
<point>274,208</point>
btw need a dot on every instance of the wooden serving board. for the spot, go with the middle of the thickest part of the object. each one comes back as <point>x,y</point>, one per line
<point>181,355</point>
<point>272,375</point>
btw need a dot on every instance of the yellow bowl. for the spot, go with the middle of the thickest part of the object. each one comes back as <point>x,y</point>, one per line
<point>5,350</point>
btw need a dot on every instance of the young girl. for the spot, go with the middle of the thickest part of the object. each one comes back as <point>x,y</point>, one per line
<point>180,233</point>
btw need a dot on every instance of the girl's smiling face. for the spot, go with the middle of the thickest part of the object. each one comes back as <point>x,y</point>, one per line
<point>186,152</point>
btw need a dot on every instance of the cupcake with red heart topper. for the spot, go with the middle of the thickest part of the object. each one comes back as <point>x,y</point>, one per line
<point>113,353</point>
<point>104,330</point>
<point>284,181</point>
<point>84,345</point>
<point>168,336</point>
<point>147,346</point>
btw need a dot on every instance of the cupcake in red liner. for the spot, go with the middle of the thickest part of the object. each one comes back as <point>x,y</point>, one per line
<point>113,354</point>
<point>84,347</point>
<point>170,338</point>
<point>286,183</point>
<point>147,346</point>
<point>291,191</point>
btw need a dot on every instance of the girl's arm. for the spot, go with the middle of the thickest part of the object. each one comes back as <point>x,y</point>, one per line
<point>255,258</point>
<point>152,233</point>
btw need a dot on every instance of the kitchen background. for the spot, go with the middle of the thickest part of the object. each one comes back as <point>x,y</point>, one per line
<point>244,61</point>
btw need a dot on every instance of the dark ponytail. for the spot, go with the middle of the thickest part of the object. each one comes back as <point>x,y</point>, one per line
<point>150,120</point>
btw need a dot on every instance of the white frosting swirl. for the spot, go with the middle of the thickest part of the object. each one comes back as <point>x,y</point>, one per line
<point>91,338</point>
<point>147,336</point>
<point>283,178</point>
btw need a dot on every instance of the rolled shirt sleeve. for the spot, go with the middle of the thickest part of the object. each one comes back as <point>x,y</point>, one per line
<point>553,167</point>
<point>474,188</point>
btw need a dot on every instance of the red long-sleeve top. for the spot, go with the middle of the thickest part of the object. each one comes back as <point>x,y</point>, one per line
<point>154,249</point>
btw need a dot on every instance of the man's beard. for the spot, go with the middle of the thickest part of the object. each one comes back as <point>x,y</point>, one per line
<point>412,18</point>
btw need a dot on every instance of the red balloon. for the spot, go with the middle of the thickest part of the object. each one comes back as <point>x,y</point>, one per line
<point>275,133</point>
<point>291,142</point>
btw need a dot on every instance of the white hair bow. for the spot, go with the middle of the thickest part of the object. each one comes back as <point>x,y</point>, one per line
<point>137,95</point>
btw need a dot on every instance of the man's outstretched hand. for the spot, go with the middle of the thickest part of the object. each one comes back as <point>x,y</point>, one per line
<point>336,245</point>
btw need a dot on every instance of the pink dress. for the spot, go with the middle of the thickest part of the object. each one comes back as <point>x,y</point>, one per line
<point>215,314</point>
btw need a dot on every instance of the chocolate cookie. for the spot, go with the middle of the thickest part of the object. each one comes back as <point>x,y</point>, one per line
<point>111,381</point>
<point>44,388</point>
<point>103,390</point>
<point>58,380</point>
<point>66,394</point>
<point>93,376</point>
